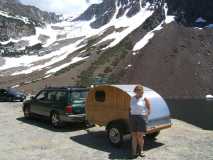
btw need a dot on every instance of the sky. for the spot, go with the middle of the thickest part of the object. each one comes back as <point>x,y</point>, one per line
<point>61,6</point>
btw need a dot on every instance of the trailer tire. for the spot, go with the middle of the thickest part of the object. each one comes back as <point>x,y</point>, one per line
<point>115,133</point>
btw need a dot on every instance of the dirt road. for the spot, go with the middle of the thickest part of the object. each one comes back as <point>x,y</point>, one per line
<point>22,139</point>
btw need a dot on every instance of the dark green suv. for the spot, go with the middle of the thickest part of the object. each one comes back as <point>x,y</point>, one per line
<point>64,104</point>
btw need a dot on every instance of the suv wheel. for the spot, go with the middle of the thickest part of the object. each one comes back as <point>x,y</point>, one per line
<point>55,120</point>
<point>115,134</point>
<point>27,112</point>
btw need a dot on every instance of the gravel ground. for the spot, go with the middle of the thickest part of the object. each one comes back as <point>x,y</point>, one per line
<point>22,139</point>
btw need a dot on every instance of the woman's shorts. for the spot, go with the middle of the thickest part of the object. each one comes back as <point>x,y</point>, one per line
<point>137,123</point>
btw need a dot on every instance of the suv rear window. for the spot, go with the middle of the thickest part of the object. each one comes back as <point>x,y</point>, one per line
<point>61,96</point>
<point>79,95</point>
<point>51,96</point>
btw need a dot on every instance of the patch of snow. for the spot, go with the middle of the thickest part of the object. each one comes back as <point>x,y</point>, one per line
<point>129,66</point>
<point>47,76</point>
<point>200,20</point>
<point>16,86</point>
<point>10,40</point>
<point>145,40</point>
<point>169,18</point>
<point>209,96</point>
<point>198,28</point>
<point>27,82</point>
<point>24,19</point>
<point>83,51</point>
<point>74,60</point>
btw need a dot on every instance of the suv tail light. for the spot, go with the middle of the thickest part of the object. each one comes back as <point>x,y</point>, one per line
<point>69,109</point>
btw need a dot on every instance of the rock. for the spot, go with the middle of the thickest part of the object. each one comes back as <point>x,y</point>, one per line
<point>43,38</point>
<point>14,28</point>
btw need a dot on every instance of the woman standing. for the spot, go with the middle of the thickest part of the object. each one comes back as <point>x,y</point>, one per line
<point>140,109</point>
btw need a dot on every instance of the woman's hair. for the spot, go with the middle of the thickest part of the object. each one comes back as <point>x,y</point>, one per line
<point>139,88</point>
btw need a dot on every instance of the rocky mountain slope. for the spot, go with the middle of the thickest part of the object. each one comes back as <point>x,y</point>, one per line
<point>153,42</point>
<point>17,20</point>
<point>39,17</point>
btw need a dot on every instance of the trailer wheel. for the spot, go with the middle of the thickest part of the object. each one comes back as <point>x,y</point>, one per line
<point>153,135</point>
<point>115,134</point>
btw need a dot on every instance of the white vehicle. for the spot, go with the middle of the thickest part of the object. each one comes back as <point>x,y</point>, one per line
<point>209,97</point>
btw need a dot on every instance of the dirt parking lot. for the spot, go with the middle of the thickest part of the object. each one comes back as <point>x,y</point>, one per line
<point>22,139</point>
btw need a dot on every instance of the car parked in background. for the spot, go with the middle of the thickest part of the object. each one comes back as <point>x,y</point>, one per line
<point>59,104</point>
<point>11,95</point>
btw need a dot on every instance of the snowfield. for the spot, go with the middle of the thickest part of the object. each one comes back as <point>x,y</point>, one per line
<point>54,57</point>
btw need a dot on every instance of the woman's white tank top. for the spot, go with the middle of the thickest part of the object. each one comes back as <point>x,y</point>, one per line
<point>138,106</point>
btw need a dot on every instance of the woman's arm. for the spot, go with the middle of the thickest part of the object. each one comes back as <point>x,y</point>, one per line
<point>148,105</point>
<point>131,103</point>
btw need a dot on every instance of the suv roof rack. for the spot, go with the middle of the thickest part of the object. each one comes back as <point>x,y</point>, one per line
<point>66,87</point>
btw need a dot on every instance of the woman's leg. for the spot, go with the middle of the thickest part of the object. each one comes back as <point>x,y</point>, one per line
<point>134,143</point>
<point>140,141</point>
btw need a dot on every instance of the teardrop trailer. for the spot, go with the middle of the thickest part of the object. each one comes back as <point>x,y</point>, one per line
<point>108,105</point>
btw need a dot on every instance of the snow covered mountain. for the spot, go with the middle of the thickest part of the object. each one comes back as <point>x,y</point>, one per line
<point>58,41</point>
<point>106,40</point>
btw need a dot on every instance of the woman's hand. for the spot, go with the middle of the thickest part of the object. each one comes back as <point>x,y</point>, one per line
<point>148,106</point>
<point>148,113</point>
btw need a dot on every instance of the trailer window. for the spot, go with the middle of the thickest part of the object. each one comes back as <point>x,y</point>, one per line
<point>100,96</point>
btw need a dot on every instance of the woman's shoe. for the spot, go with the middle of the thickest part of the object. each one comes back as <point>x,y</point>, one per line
<point>142,154</point>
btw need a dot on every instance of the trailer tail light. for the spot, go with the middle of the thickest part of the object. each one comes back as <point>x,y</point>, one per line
<point>69,109</point>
